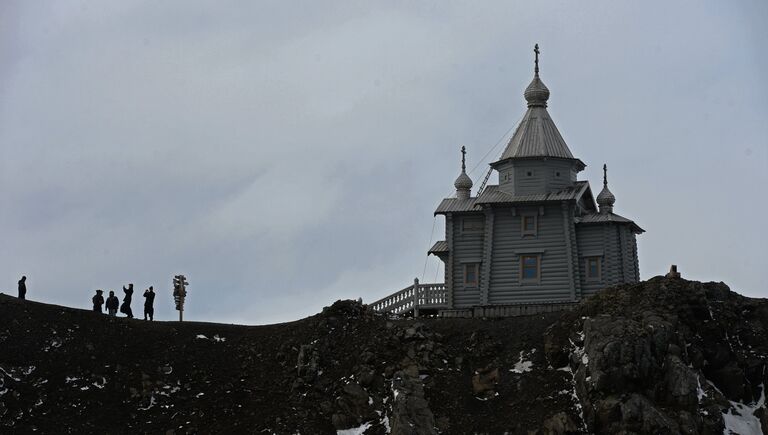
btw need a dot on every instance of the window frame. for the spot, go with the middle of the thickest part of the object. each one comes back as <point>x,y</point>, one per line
<point>525,232</point>
<point>523,279</point>
<point>587,269</point>
<point>469,284</point>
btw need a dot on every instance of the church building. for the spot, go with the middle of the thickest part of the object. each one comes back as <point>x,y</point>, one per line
<point>539,236</point>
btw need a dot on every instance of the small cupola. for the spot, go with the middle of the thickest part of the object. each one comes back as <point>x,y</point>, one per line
<point>605,199</point>
<point>463,183</point>
<point>536,94</point>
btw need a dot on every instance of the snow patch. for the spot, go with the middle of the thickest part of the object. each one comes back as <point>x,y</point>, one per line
<point>100,385</point>
<point>700,393</point>
<point>218,339</point>
<point>394,391</point>
<point>522,365</point>
<point>151,403</point>
<point>10,375</point>
<point>740,419</point>
<point>201,337</point>
<point>355,430</point>
<point>581,354</point>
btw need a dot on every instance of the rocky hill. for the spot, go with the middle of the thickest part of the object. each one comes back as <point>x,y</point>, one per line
<point>663,356</point>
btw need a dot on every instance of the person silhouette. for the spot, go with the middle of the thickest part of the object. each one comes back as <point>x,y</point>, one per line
<point>149,303</point>
<point>126,307</point>
<point>98,301</point>
<point>112,303</point>
<point>23,288</point>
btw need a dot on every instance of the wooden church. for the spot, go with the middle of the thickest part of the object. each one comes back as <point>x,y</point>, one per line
<point>538,238</point>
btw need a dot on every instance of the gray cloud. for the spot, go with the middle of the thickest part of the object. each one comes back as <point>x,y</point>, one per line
<point>286,155</point>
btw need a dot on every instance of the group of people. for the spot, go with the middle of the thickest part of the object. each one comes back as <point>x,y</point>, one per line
<point>112,303</point>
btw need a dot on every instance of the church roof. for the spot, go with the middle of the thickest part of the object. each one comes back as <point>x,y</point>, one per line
<point>537,136</point>
<point>492,195</point>
<point>455,205</point>
<point>440,247</point>
<point>602,218</point>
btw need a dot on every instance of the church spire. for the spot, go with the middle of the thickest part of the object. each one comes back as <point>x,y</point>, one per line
<point>536,94</point>
<point>605,199</point>
<point>463,183</point>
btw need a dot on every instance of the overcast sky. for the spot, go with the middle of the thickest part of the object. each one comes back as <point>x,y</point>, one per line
<point>283,155</point>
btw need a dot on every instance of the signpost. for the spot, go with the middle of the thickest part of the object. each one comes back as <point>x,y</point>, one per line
<point>179,293</point>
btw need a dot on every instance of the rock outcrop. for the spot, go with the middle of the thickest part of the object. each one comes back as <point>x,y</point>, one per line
<point>664,356</point>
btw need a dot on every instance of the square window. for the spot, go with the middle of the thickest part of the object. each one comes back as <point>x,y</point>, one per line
<point>529,267</point>
<point>471,274</point>
<point>529,173</point>
<point>593,267</point>
<point>557,174</point>
<point>528,225</point>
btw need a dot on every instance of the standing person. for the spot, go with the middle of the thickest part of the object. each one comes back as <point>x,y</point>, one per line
<point>23,288</point>
<point>126,307</point>
<point>98,301</point>
<point>149,303</point>
<point>112,303</point>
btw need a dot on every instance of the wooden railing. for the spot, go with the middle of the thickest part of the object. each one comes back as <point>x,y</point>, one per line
<point>412,298</point>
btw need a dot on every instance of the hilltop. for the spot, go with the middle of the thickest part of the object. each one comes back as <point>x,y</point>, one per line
<point>660,356</point>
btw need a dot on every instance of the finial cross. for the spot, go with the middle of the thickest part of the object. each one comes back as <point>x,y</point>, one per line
<point>605,174</point>
<point>463,156</point>
<point>536,50</point>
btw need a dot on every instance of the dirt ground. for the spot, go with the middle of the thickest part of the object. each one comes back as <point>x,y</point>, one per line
<point>66,370</point>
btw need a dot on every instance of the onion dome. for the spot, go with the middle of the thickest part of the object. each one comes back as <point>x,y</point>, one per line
<point>463,183</point>
<point>536,94</point>
<point>605,199</point>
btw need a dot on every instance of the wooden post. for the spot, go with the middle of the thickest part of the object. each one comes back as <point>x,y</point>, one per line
<point>415,298</point>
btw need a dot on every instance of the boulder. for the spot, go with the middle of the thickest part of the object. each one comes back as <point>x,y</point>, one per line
<point>485,380</point>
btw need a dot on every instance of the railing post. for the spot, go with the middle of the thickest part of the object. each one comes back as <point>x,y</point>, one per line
<point>415,298</point>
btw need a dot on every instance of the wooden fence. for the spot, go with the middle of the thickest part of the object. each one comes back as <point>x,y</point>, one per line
<point>413,298</point>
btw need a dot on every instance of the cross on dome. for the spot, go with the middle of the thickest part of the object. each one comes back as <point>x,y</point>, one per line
<point>605,199</point>
<point>536,94</point>
<point>463,183</point>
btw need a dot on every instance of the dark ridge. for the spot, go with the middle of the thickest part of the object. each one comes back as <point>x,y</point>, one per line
<point>660,356</point>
